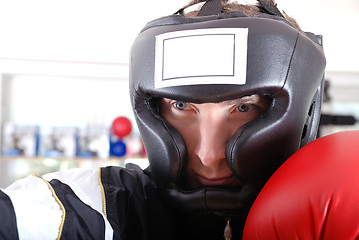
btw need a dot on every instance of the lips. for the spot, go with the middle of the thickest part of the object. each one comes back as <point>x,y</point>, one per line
<point>216,181</point>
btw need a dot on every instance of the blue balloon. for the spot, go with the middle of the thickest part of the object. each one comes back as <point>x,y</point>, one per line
<point>118,149</point>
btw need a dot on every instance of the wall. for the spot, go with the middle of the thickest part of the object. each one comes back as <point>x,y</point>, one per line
<point>65,62</point>
<point>102,31</point>
<point>46,43</point>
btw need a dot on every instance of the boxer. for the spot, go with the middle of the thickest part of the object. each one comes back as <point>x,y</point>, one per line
<point>222,97</point>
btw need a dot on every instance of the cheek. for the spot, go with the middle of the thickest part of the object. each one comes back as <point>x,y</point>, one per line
<point>186,126</point>
<point>239,120</point>
<point>230,128</point>
<point>189,133</point>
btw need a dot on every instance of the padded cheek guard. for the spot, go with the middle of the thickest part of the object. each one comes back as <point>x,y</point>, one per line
<point>279,61</point>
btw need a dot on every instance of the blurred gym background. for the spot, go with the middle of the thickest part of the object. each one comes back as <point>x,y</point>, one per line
<point>64,78</point>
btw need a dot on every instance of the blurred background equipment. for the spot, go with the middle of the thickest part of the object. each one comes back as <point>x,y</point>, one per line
<point>72,73</point>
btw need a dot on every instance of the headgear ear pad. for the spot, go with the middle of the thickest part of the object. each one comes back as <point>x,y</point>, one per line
<point>277,135</point>
<point>280,62</point>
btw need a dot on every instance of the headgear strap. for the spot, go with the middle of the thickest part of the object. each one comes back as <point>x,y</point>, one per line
<point>270,8</point>
<point>211,7</point>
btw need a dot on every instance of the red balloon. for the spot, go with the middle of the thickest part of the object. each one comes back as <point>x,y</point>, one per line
<point>121,127</point>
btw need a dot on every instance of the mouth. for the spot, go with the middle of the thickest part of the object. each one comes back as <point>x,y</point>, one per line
<point>216,181</point>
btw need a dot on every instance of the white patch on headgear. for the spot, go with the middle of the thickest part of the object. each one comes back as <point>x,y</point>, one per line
<point>201,56</point>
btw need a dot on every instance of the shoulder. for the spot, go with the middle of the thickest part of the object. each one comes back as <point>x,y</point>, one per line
<point>127,187</point>
<point>122,202</point>
<point>56,205</point>
<point>134,206</point>
<point>130,178</point>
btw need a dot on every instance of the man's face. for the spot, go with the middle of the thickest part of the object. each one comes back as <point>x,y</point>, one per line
<point>206,129</point>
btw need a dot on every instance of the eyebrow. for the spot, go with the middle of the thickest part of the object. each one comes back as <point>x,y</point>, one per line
<point>255,98</point>
<point>261,100</point>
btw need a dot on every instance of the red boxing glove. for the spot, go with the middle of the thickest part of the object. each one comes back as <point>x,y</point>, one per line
<point>313,195</point>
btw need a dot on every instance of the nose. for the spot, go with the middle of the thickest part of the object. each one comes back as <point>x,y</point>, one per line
<point>212,141</point>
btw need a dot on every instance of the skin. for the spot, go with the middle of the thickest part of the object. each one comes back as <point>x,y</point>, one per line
<point>206,129</point>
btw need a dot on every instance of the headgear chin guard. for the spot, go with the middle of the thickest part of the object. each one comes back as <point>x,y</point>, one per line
<point>234,55</point>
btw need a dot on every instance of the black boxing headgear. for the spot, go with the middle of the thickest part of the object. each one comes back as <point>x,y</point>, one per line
<point>234,55</point>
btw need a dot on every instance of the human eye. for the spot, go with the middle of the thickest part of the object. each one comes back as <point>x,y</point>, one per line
<point>179,105</point>
<point>244,107</point>
<point>254,104</point>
